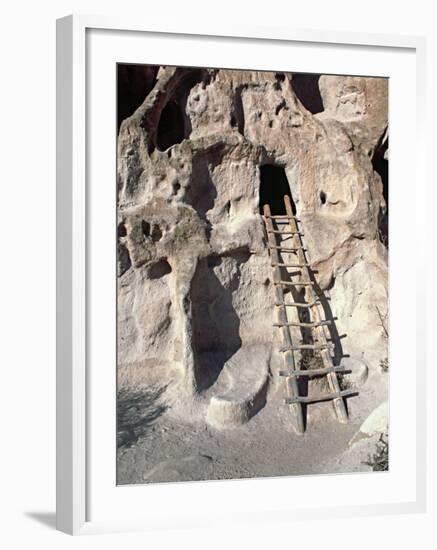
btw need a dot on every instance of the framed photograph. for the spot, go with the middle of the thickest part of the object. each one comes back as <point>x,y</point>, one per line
<point>236,322</point>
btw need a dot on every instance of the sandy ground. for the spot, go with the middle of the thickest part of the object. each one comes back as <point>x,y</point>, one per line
<point>156,445</point>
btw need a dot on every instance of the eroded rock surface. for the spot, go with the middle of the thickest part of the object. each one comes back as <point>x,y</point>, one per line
<point>194,272</point>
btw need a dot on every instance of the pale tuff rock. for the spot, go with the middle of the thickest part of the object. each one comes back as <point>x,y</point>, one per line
<point>359,371</point>
<point>358,102</point>
<point>376,423</point>
<point>194,272</point>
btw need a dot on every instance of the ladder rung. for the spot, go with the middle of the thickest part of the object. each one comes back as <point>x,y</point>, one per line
<point>296,324</point>
<point>316,398</point>
<point>285,249</point>
<point>280,217</point>
<point>307,346</point>
<point>278,231</point>
<point>312,372</point>
<point>320,295</point>
<point>281,264</point>
<point>295,304</point>
<point>293,283</point>
<point>284,222</point>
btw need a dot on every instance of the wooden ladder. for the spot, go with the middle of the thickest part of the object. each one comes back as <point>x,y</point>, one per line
<point>315,325</point>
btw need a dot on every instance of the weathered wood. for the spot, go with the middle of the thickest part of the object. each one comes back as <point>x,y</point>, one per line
<point>338,402</point>
<point>280,217</point>
<point>294,283</point>
<point>308,346</point>
<point>307,325</point>
<point>323,397</point>
<point>320,341</point>
<point>280,232</point>
<point>291,383</point>
<point>285,249</point>
<point>312,372</point>
<point>293,304</point>
<point>282,264</point>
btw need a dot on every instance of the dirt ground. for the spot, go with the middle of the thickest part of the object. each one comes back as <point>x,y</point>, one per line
<point>156,445</point>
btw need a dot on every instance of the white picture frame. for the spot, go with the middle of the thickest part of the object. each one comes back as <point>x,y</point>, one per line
<point>77,425</point>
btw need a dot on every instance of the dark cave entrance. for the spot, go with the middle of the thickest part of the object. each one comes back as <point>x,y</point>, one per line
<point>134,83</point>
<point>171,126</point>
<point>174,124</point>
<point>306,88</point>
<point>273,186</point>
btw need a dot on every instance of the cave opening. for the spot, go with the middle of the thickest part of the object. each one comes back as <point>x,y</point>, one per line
<point>145,226</point>
<point>273,186</point>
<point>171,126</point>
<point>306,88</point>
<point>380,165</point>
<point>134,83</point>
<point>121,230</point>
<point>159,269</point>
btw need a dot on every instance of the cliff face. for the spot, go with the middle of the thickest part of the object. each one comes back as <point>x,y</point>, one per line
<point>194,273</point>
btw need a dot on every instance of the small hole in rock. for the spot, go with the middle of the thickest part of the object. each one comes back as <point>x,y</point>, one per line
<point>280,77</point>
<point>121,231</point>
<point>176,187</point>
<point>158,270</point>
<point>146,228</point>
<point>282,105</point>
<point>156,233</point>
<point>322,197</point>
<point>124,261</point>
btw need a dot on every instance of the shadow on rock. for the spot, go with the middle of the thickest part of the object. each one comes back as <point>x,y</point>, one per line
<point>137,410</point>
